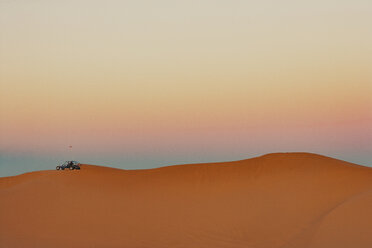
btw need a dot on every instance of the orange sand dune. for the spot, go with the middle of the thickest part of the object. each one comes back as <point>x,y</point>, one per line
<point>281,200</point>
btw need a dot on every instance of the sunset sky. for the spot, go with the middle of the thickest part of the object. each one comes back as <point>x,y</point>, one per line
<point>140,84</point>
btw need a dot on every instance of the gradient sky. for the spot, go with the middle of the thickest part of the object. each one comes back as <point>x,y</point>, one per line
<point>140,84</point>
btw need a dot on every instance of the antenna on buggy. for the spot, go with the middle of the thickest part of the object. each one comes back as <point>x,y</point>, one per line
<point>70,153</point>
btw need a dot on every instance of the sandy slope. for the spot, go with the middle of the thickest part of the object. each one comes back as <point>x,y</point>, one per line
<point>282,200</point>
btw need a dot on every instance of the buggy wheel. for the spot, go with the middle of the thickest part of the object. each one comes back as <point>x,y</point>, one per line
<point>58,168</point>
<point>71,168</point>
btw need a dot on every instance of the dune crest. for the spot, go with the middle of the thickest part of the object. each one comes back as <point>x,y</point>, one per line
<point>281,200</point>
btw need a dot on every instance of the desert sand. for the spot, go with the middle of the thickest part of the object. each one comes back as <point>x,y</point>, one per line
<point>281,200</point>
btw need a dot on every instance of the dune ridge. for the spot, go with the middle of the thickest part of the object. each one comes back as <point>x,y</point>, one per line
<point>281,200</point>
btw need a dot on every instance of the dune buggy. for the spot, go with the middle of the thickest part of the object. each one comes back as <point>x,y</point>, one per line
<point>72,165</point>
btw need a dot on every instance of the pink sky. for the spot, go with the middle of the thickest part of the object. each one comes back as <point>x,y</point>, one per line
<point>214,80</point>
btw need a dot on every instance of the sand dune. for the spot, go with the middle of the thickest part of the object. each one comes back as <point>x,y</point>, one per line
<point>282,200</point>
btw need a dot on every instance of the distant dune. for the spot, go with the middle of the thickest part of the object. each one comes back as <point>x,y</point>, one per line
<point>282,200</point>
